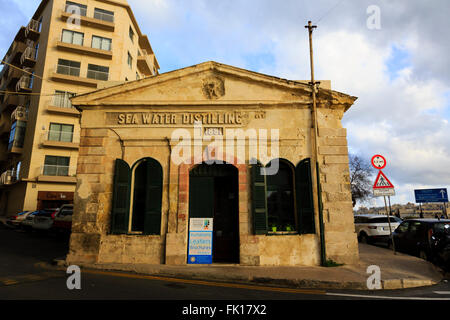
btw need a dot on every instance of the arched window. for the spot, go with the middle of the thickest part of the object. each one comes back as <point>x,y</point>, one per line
<point>138,189</point>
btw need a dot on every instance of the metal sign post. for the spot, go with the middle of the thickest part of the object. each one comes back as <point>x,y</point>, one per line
<point>389,222</point>
<point>383,188</point>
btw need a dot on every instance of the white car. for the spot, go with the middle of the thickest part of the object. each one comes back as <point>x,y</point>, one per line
<point>375,228</point>
<point>43,220</point>
<point>17,219</point>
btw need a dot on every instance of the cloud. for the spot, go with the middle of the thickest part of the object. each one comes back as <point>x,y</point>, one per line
<point>401,72</point>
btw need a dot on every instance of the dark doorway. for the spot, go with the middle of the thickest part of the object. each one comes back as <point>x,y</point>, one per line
<point>214,193</point>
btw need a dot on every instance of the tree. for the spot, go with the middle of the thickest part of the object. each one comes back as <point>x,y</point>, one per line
<point>360,173</point>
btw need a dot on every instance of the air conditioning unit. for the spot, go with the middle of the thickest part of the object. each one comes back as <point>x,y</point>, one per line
<point>19,114</point>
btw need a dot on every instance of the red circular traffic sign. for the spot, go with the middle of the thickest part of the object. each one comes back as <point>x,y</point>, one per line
<point>378,161</point>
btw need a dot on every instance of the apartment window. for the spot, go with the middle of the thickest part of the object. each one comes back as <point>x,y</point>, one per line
<point>103,15</point>
<point>17,134</point>
<point>130,60</point>
<point>101,43</point>
<point>131,33</point>
<point>60,132</point>
<point>56,166</point>
<point>76,8</point>
<point>62,99</point>
<point>73,37</point>
<point>98,72</point>
<point>68,67</point>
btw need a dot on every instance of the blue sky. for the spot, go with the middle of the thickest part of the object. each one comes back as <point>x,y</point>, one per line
<point>399,72</point>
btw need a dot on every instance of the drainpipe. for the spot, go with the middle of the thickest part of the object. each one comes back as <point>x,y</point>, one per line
<point>168,195</point>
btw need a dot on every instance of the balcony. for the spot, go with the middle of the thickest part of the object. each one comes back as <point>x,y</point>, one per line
<point>17,49</point>
<point>61,104</point>
<point>98,75</point>
<point>145,64</point>
<point>33,30</point>
<point>71,75</point>
<point>15,147</point>
<point>57,174</point>
<point>75,48</point>
<point>11,101</point>
<point>28,58</point>
<point>95,22</point>
<point>25,83</point>
<point>60,139</point>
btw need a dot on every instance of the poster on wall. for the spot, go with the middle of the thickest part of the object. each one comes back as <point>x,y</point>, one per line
<point>200,241</point>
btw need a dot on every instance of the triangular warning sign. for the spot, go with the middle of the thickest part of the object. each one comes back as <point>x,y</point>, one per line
<point>382,182</point>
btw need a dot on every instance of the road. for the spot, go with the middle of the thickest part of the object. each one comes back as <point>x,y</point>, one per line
<point>23,256</point>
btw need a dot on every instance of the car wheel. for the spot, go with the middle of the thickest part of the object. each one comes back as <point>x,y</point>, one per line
<point>363,238</point>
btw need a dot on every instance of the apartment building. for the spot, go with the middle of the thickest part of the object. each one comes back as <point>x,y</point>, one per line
<point>67,48</point>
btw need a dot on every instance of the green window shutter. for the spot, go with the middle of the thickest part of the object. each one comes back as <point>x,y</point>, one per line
<point>121,198</point>
<point>201,197</point>
<point>259,201</point>
<point>153,201</point>
<point>304,195</point>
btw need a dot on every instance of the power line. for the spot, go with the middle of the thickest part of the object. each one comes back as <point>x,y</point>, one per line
<point>330,10</point>
<point>23,70</point>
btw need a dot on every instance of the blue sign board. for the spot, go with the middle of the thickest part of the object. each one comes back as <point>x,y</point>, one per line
<point>431,195</point>
<point>200,241</point>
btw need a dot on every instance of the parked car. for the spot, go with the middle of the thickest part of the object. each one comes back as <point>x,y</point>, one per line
<point>426,238</point>
<point>17,219</point>
<point>375,228</point>
<point>43,220</point>
<point>27,223</point>
<point>63,219</point>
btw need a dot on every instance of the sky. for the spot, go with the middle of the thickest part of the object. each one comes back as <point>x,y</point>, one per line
<point>391,54</point>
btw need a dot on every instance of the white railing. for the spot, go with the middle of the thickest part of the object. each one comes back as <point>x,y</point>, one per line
<point>67,70</point>
<point>98,75</point>
<point>104,16</point>
<point>74,9</point>
<point>60,136</point>
<point>59,171</point>
<point>33,25</point>
<point>62,100</point>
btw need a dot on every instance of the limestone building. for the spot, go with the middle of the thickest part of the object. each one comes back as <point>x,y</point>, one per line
<point>198,143</point>
<point>67,48</point>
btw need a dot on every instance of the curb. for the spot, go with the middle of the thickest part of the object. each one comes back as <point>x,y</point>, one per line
<point>389,284</point>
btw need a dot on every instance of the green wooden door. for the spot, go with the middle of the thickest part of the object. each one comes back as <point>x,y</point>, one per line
<point>201,197</point>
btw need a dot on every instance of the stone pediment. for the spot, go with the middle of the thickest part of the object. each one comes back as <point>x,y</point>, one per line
<point>209,83</point>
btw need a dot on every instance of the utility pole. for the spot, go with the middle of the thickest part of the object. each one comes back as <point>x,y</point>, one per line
<point>314,151</point>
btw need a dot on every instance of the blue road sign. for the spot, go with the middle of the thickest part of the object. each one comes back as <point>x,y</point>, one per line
<point>431,195</point>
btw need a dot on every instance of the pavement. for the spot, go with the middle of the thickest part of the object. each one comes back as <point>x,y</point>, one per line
<point>398,271</point>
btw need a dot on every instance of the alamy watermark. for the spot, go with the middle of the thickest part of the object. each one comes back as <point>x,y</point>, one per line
<point>234,151</point>
<point>373,21</point>
<point>74,280</point>
<point>374,280</point>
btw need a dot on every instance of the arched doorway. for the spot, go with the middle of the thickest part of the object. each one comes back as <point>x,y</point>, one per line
<point>214,193</point>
